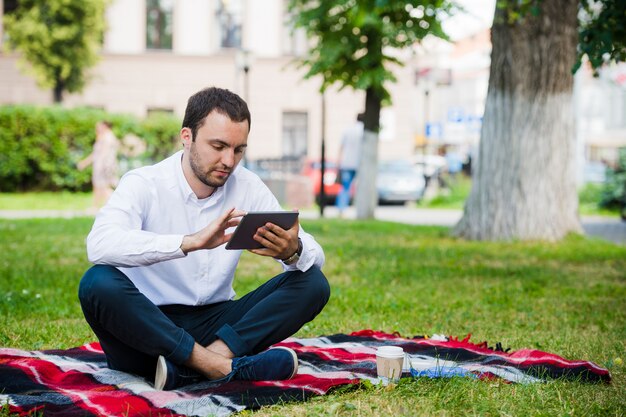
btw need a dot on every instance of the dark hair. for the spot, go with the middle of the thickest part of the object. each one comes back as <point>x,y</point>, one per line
<point>214,99</point>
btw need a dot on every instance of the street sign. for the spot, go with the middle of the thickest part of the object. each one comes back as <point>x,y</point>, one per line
<point>434,130</point>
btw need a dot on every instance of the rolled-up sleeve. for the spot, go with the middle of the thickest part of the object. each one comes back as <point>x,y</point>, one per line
<point>312,254</point>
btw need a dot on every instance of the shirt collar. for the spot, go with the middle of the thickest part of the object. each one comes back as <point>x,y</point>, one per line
<point>184,186</point>
<point>186,190</point>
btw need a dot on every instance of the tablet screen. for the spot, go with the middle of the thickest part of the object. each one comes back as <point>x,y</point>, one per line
<point>243,236</point>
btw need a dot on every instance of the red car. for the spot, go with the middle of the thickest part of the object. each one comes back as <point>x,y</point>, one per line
<point>312,169</point>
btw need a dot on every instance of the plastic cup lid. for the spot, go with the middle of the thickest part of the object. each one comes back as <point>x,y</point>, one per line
<point>390,351</point>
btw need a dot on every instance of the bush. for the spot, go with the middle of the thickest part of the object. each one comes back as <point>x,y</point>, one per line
<point>614,191</point>
<point>160,131</point>
<point>40,146</point>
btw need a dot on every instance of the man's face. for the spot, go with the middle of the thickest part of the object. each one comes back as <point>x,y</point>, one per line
<point>219,146</point>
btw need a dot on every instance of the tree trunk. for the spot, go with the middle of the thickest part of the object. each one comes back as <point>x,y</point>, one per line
<point>57,93</point>
<point>524,186</point>
<point>366,197</point>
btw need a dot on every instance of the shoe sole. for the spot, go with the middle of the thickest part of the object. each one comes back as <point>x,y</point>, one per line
<point>294,356</point>
<point>160,378</point>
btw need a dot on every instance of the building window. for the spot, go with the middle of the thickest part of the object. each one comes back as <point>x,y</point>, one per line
<point>159,24</point>
<point>295,129</point>
<point>229,17</point>
<point>294,39</point>
<point>9,6</point>
<point>159,110</point>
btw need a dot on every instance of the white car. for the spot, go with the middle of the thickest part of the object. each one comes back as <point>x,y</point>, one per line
<point>399,182</point>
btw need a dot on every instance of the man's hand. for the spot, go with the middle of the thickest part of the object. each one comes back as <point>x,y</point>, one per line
<point>278,242</point>
<point>214,234</point>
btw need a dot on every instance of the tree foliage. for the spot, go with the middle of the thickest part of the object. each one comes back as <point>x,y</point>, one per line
<point>354,41</point>
<point>602,33</point>
<point>58,39</point>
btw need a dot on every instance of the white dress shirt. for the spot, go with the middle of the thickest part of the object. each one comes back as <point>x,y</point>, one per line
<point>142,226</point>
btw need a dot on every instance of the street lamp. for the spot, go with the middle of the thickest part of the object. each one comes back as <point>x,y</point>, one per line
<point>243,63</point>
<point>426,115</point>
<point>323,157</point>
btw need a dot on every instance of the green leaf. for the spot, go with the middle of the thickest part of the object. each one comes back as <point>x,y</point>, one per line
<point>359,61</point>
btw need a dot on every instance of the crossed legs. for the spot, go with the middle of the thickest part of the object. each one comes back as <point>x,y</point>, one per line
<point>133,331</point>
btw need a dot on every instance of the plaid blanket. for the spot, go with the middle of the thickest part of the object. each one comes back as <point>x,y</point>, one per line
<point>76,382</point>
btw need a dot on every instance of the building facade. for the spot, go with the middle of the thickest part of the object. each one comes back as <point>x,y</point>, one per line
<point>156,53</point>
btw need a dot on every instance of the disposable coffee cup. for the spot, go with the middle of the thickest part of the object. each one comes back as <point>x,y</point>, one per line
<point>389,361</point>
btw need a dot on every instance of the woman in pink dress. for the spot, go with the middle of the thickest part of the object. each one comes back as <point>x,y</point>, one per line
<point>104,160</point>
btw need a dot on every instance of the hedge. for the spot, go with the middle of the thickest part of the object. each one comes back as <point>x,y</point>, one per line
<point>40,146</point>
<point>614,190</point>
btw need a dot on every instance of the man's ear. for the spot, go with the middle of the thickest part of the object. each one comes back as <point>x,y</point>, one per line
<point>186,136</point>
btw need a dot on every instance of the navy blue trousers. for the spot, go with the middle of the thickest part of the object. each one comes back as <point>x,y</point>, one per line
<point>133,331</point>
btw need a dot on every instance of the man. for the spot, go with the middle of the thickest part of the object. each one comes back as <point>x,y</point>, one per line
<point>160,297</point>
<point>349,156</point>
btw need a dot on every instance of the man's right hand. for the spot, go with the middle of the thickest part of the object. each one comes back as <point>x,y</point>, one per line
<point>214,234</point>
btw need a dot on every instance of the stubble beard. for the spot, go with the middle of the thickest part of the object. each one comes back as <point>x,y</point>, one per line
<point>204,177</point>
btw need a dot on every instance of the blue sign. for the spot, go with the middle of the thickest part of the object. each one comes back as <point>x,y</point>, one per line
<point>474,123</point>
<point>456,115</point>
<point>434,130</point>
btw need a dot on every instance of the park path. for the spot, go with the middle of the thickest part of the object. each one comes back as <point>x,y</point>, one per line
<point>611,229</point>
<point>608,228</point>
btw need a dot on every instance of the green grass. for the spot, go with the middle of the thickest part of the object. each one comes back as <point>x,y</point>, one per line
<point>567,298</point>
<point>45,201</point>
<point>589,196</point>
<point>453,196</point>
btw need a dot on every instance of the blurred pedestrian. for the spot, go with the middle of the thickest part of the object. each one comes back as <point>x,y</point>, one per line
<point>349,157</point>
<point>103,158</point>
<point>454,162</point>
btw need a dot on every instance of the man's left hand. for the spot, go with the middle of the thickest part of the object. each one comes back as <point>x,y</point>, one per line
<point>278,242</point>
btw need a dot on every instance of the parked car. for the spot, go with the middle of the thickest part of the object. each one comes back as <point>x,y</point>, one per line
<point>399,182</point>
<point>312,169</point>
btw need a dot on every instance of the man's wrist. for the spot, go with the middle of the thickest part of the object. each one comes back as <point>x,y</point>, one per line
<point>295,257</point>
<point>187,244</point>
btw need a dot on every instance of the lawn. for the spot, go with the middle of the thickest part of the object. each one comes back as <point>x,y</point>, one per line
<point>64,200</point>
<point>567,298</point>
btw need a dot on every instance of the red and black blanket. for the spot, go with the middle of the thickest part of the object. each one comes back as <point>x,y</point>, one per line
<point>76,382</point>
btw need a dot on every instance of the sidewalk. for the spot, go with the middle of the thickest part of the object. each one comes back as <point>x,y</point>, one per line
<point>611,229</point>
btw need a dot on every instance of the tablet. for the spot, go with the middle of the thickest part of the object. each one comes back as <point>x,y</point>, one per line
<point>242,238</point>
